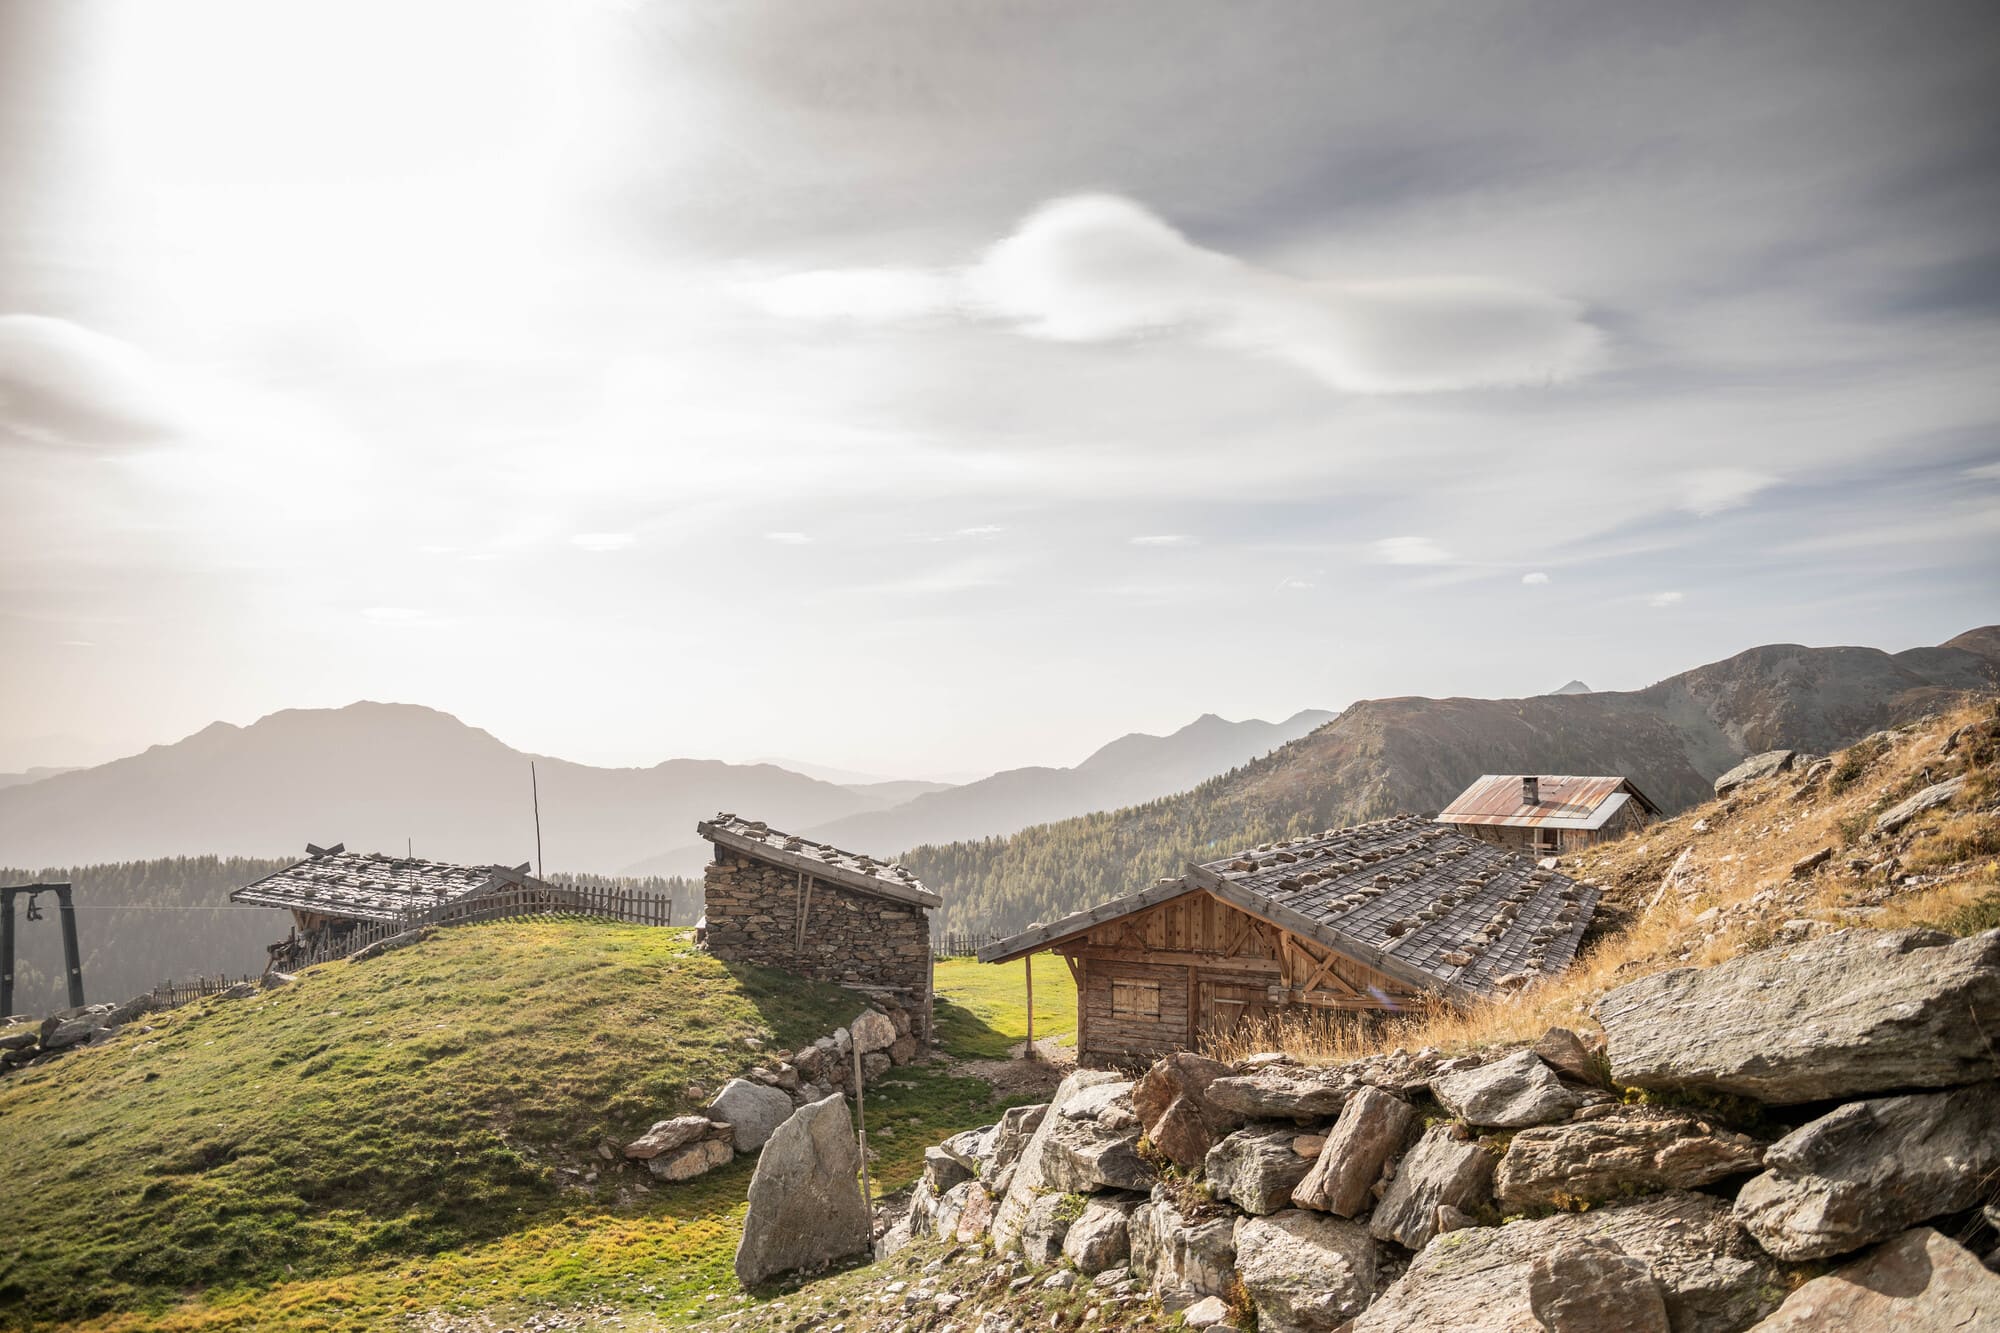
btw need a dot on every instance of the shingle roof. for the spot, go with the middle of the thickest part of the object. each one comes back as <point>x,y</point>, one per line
<point>368,886</point>
<point>1429,905</point>
<point>856,870</point>
<point>1563,801</point>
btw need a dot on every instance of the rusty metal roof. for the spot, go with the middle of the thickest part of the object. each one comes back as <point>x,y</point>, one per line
<point>1565,802</point>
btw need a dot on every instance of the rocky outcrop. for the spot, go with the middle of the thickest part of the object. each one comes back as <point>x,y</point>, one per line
<point>1511,1093</point>
<point>1445,1170</point>
<point>806,1207</point>
<point>1920,1281</point>
<point>1100,1237</point>
<point>1003,1147</point>
<point>1712,1279</point>
<point>1256,1169</point>
<point>1279,1092</point>
<point>942,1170</point>
<point>1306,1272</point>
<point>1871,1169</point>
<point>1756,767</point>
<point>1174,1111</point>
<point>1852,1013</point>
<point>1896,816</point>
<point>1625,1151</point>
<point>752,1110</point>
<point>1182,1259</point>
<point>1370,1131</point>
<point>1047,1224</point>
<point>1073,1152</point>
<point>1581,1286</point>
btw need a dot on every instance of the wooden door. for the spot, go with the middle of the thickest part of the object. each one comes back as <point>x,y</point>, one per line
<point>1226,1004</point>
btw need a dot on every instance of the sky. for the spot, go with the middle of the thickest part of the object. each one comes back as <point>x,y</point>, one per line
<point>939,387</point>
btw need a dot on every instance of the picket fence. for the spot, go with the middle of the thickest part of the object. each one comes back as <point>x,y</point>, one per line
<point>962,944</point>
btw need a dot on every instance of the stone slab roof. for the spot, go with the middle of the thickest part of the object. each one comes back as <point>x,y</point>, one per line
<point>855,870</point>
<point>1563,801</point>
<point>1431,906</point>
<point>369,886</point>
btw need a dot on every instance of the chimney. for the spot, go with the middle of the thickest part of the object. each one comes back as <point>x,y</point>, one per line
<point>1531,791</point>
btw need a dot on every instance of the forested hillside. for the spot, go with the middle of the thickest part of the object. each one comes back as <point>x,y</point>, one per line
<point>1385,756</point>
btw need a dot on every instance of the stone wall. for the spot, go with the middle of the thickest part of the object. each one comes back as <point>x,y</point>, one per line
<point>851,938</point>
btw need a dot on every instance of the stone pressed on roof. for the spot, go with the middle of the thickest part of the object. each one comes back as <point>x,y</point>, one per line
<point>369,886</point>
<point>856,870</point>
<point>1417,900</point>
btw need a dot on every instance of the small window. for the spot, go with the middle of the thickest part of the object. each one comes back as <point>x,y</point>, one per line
<point>1134,999</point>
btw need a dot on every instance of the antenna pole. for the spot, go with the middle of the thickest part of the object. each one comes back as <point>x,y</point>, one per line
<point>535,788</point>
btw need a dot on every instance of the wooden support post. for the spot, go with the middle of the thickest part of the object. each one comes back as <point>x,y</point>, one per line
<point>861,1119</point>
<point>1029,964</point>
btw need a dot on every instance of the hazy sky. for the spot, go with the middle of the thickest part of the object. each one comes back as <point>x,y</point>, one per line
<point>943,386</point>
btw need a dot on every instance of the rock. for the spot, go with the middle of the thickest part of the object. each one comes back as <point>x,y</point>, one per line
<point>1442,1169</point>
<point>1305,1272</point>
<point>1871,1169</point>
<point>1921,1282</point>
<point>923,1213</point>
<point>1066,1154</point>
<point>1308,1146</point>
<point>1060,1280</point>
<point>873,1031</point>
<point>1930,798</point>
<point>668,1135</point>
<point>874,1065</point>
<point>1172,1104</point>
<point>61,1033</point>
<point>1182,1260</point>
<point>1003,1148</point>
<point>1370,1131</point>
<point>1047,1224</point>
<point>1205,1313</point>
<point>1100,1238</point>
<point>1279,1092</point>
<point>902,1050</point>
<point>753,1110</point>
<point>975,1217</point>
<point>1255,1169</point>
<point>1846,1014</point>
<point>1810,862</point>
<point>806,1207</point>
<point>1584,1287</point>
<point>894,1240</point>
<point>1571,1056</point>
<point>950,1207</point>
<point>970,1148</point>
<point>942,1170</point>
<point>696,1159</point>
<point>1629,1150</point>
<point>18,1041</point>
<point>1511,1093</point>
<point>1711,1276</point>
<point>1755,767</point>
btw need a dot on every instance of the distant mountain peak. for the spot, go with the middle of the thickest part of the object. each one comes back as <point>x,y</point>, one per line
<point>1574,687</point>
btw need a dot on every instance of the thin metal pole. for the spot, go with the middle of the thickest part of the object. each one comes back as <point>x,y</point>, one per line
<point>6,952</point>
<point>72,956</point>
<point>535,787</point>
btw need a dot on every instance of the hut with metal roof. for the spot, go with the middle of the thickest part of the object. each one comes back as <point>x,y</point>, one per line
<point>1548,814</point>
<point>1365,919</point>
<point>816,911</point>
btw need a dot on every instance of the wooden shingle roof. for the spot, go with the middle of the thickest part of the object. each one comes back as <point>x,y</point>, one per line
<point>1562,801</point>
<point>855,870</point>
<point>369,886</point>
<point>1426,904</point>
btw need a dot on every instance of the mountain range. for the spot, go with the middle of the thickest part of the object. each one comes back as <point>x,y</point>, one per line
<point>390,777</point>
<point>1384,756</point>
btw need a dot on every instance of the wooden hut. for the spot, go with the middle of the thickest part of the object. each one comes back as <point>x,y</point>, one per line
<point>1369,918</point>
<point>1548,814</point>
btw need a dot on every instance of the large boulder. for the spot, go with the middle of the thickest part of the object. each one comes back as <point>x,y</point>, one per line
<point>1513,1092</point>
<point>1846,1014</point>
<point>1930,798</point>
<point>1628,1150</point>
<point>1182,1259</point>
<point>696,1159</point>
<point>1580,1286</point>
<point>1256,1169</point>
<point>1444,1170</point>
<point>1100,1237</point>
<point>942,1170</point>
<point>1712,1277</point>
<point>1752,769</point>
<point>752,1110</point>
<point>872,1032</point>
<point>1069,1153</point>
<point>1048,1222</point>
<point>1003,1148</point>
<point>1280,1092</point>
<point>1870,1169</point>
<point>1920,1282</point>
<point>806,1207</point>
<point>1306,1272</point>
<point>1172,1104</point>
<point>1370,1131</point>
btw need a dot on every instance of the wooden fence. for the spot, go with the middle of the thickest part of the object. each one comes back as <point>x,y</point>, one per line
<point>962,944</point>
<point>173,994</point>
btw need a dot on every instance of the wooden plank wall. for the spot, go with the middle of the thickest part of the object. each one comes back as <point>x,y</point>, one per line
<point>1112,1037</point>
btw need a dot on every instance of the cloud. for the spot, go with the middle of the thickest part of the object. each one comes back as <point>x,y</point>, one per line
<point>1101,268</point>
<point>1294,585</point>
<point>1408,551</point>
<point>392,615</point>
<point>788,538</point>
<point>1985,471</point>
<point>982,530</point>
<point>1535,579</point>
<point>1666,599</point>
<point>1164,539</point>
<point>1716,489</point>
<point>64,385</point>
<point>604,541</point>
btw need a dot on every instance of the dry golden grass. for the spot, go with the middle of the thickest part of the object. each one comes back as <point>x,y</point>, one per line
<point>1730,894</point>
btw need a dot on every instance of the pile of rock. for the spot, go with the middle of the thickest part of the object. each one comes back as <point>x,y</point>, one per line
<point>69,1029</point>
<point>1731,1131</point>
<point>741,1118</point>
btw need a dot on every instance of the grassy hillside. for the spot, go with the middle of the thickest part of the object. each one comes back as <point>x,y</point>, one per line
<point>415,1132</point>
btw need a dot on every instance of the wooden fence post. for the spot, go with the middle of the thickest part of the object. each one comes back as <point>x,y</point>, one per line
<point>861,1119</point>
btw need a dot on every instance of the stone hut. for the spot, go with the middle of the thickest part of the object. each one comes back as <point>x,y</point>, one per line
<point>1547,814</point>
<point>816,911</point>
